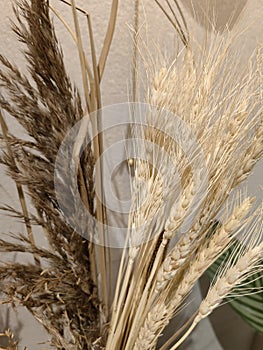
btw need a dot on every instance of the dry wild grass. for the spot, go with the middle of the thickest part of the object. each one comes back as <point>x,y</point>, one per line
<point>65,286</point>
<point>58,288</point>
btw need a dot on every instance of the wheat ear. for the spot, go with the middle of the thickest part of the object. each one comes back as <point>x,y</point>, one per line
<point>206,255</point>
<point>231,278</point>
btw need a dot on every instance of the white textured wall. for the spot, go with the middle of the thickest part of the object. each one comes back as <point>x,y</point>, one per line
<point>118,71</point>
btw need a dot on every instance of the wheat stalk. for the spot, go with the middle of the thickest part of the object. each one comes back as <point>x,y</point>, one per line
<point>238,111</point>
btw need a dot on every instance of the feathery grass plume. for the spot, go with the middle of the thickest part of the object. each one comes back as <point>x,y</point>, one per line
<point>61,292</point>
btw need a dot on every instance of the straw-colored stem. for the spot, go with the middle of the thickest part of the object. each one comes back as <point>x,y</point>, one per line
<point>143,306</point>
<point>93,102</point>
<point>180,29</point>
<point>98,149</point>
<point>72,34</point>
<point>175,23</point>
<point>166,345</point>
<point>122,302</point>
<point>185,336</point>
<point>182,16</point>
<point>95,105</point>
<point>81,55</point>
<point>83,127</point>
<point>78,8</point>
<point>108,38</point>
<point>135,51</point>
<point>118,287</point>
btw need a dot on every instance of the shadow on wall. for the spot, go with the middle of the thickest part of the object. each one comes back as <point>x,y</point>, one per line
<point>224,12</point>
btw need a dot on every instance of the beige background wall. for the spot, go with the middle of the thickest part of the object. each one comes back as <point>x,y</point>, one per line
<point>118,72</point>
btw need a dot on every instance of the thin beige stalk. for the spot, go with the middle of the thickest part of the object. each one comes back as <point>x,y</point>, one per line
<point>108,38</point>
<point>137,285</point>
<point>98,149</point>
<point>67,26</point>
<point>92,106</point>
<point>93,102</point>
<point>83,128</point>
<point>19,188</point>
<point>131,163</point>
<point>183,34</point>
<point>185,336</point>
<point>135,51</point>
<point>109,34</point>
<point>142,309</point>
<point>167,344</point>
<point>123,305</point>
<point>120,310</point>
<point>81,55</point>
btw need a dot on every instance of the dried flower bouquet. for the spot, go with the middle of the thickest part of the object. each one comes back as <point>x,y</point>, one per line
<point>196,137</point>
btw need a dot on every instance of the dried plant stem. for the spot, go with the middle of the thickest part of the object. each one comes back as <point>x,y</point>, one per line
<point>108,38</point>
<point>84,123</point>
<point>93,103</point>
<point>81,55</point>
<point>174,21</point>
<point>185,336</point>
<point>96,91</point>
<point>77,7</point>
<point>182,16</point>
<point>125,293</point>
<point>143,306</point>
<point>19,188</point>
<point>119,312</point>
<point>98,149</point>
<point>72,34</point>
<point>135,51</point>
<point>175,335</point>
